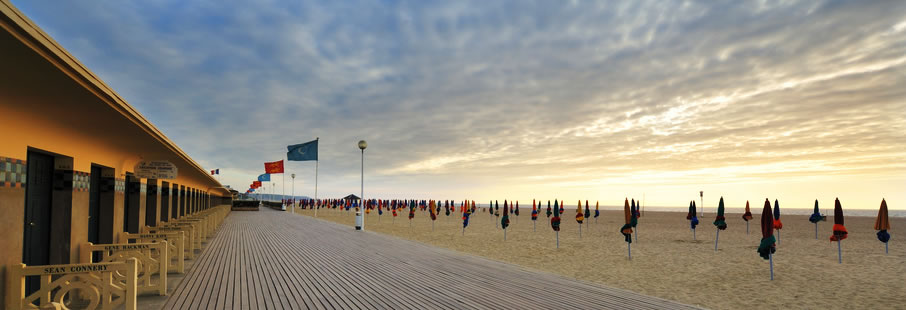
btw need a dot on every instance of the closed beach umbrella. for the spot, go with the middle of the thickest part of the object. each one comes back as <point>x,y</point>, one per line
<point>692,216</point>
<point>505,220</point>
<point>555,222</point>
<point>587,211</point>
<point>747,217</point>
<point>579,217</point>
<point>465,219</point>
<point>626,230</point>
<point>720,221</point>
<point>815,218</point>
<point>549,208</point>
<point>433,214</point>
<point>597,212</point>
<point>839,230</point>
<point>517,208</point>
<point>766,248</point>
<point>882,224</point>
<point>778,225</point>
<point>534,216</point>
<point>534,211</point>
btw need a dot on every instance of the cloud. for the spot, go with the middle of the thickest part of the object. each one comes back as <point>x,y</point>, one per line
<point>506,96</point>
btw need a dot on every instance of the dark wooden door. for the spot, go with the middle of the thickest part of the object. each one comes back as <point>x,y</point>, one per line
<point>174,191</point>
<point>38,202</point>
<point>164,201</point>
<point>151,203</point>
<point>94,205</point>
<point>131,204</point>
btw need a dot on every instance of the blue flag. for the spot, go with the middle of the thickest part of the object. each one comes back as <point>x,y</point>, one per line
<point>264,177</point>
<point>302,152</point>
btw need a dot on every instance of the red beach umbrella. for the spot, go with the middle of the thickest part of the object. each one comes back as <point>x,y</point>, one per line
<point>747,217</point>
<point>767,248</point>
<point>839,230</point>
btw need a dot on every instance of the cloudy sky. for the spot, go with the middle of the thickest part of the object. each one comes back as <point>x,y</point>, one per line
<point>796,100</point>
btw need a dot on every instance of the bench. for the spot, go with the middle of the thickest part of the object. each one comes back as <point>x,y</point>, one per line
<point>100,286</point>
<point>176,243</point>
<point>149,262</point>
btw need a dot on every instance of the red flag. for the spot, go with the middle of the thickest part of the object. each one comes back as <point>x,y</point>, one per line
<point>274,167</point>
<point>256,184</point>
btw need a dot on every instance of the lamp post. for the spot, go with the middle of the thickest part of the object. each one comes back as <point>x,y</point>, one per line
<point>359,213</point>
<point>701,194</point>
<point>292,192</point>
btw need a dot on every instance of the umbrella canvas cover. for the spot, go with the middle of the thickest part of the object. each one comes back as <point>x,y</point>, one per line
<point>882,223</point>
<point>839,231</point>
<point>766,247</point>
<point>748,215</point>
<point>626,230</point>
<point>720,221</point>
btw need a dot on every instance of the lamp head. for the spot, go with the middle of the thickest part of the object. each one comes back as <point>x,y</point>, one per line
<point>362,144</point>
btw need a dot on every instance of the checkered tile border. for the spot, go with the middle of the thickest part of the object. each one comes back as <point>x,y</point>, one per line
<point>143,188</point>
<point>81,181</point>
<point>120,185</point>
<point>12,172</point>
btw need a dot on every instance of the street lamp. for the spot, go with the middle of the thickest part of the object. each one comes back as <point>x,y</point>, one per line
<point>701,194</point>
<point>359,213</point>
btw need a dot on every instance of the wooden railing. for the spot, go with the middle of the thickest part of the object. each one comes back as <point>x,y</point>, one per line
<point>176,244</point>
<point>152,259</point>
<point>92,286</point>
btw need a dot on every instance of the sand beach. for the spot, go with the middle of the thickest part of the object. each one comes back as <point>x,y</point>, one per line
<point>667,263</point>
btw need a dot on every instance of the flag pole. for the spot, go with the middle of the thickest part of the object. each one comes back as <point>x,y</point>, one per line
<point>293,176</point>
<point>283,194</point>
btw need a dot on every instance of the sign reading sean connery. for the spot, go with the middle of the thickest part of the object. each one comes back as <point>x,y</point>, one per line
<point>155,169</point>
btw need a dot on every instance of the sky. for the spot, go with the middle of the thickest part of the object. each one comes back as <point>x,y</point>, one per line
<point>520,100</point>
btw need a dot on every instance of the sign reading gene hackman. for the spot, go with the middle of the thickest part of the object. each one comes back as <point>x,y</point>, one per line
<point>155,169</point>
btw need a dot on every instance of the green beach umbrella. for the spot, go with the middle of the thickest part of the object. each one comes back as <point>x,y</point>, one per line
<point>720,221</point>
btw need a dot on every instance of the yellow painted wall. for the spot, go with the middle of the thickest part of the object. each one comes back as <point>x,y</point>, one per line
<point>50,102</point>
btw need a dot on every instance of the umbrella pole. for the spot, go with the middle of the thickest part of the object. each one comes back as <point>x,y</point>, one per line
<point>432,225</point>
<point>716,239</point>
<point>816,231</point>
<point>504,234</point>
<point>693,234</point>
<point>463,230</point>
<point>771,260</point>
<point>839,252</point>
<point>534,226</point>
<point>629,249</point>
<point>636,234</point>
<point>558,239</point>
<point>778,237</point>
<point>580,231</point>
<point>747,228</point>
<point>886,248</point>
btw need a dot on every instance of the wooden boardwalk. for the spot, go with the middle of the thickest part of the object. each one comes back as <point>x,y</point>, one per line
<point>273,260</point>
